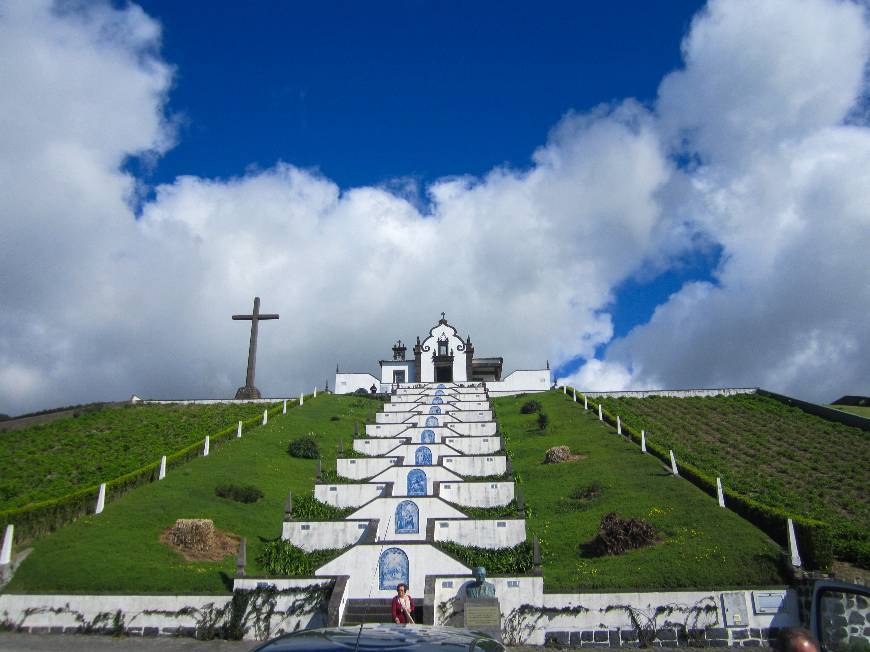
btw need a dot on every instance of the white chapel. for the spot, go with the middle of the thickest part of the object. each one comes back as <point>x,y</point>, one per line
<point>443,357</point>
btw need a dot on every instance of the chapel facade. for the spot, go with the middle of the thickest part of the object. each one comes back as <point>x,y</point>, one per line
<point>443,356</point>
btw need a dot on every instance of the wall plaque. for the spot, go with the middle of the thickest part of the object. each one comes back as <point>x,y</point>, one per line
<point>483,615</point>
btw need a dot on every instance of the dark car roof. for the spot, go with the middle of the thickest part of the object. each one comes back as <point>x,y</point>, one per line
<point>384,638</point>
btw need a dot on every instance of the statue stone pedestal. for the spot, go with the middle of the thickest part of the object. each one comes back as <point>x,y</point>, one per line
<point>247,392</point>
<point>483,615</point>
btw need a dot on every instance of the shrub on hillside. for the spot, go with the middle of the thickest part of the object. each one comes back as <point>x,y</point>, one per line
<point>281,557</point>
<point>241,494</point>
<point>505,561</point>
<point>530,407</point>
<point>617,535</point>
<point>543,421</point>
<point>304,447</point>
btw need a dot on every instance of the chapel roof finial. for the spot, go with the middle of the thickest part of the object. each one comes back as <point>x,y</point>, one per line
<point>548,364</point>
<point>443,318</point>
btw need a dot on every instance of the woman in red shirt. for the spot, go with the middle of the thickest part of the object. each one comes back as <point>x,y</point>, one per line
<point>403,606</point>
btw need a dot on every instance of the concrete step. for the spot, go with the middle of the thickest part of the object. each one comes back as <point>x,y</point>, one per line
<point>372,610</point>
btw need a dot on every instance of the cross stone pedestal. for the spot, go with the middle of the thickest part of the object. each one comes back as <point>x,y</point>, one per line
<point>247,392</point>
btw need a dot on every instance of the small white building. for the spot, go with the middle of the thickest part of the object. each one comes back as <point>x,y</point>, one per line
<point>443,357</point>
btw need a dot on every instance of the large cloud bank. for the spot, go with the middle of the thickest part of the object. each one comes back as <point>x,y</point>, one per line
<point>96,304</point>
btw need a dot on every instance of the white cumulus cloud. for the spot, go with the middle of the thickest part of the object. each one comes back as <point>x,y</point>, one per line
<point>96,304</point>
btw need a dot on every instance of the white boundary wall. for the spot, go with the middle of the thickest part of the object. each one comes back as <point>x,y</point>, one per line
<point>349,383</point>
<point>477,494</point>
<point>323,535</point>
<point>348,495</point>
<point>514,592</point>
<point>497,533</point>
<point>674,393</point>
<point>476,465</point>
<point>521,381</point>
<point>64,612</point>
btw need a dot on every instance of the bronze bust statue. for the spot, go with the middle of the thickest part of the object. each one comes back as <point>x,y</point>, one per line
<point>480,588</point>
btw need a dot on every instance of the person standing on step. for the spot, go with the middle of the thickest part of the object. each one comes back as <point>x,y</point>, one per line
<point>402,606</point>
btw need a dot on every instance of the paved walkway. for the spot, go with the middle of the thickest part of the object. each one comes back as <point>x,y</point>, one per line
<point>10,642</point>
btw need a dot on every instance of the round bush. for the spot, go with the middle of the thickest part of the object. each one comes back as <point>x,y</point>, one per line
<point>241,494</point>
<point>304,447</point>
<point>530,407</point>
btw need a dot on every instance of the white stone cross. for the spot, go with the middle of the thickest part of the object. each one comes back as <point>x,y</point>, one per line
<point>720,495</point>
<point>205,447</point>
<point>674,464</point>
<point>162,472</point>
<point>6,550</point>
<point>101,499</point>
<point>792,546</point>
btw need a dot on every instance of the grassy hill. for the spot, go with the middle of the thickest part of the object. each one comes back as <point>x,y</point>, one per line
<point>700,545</point>
<point>860,410</point>
<point>119,551</point>
<point>773,453</point>
<point>63,456</point>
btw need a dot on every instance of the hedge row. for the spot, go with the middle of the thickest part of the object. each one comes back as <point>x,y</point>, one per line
<point>41,518</point>
<point>815,541</point>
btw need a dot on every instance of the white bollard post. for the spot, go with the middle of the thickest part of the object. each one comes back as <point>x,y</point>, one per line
<point>315,392</point>
<point>101,499</point>
<point>301,400</point>
<point>618,425</point>
<point>600,413</point>
<point>205,447</point>
<point>575,395</point>
<point>674,464</point>
<point>792,546</point>
<point>265,417</point>
<point>6,550</point>
<point>162,472</point>
<point>643,441</point>
<point>565,389</point>
<point>585,403</point>
<point>284,409</point>
<point>239,430</point>
<point>720,495</point>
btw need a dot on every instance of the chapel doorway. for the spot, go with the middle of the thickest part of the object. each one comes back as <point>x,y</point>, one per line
<point>444,374</point>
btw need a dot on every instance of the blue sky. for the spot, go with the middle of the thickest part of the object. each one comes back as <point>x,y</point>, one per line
<point>646,194</point>
<point>368,93</point>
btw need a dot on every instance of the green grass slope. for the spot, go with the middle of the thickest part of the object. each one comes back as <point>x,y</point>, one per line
<point>701,545</point>
<point>860,410</point>
<point>771,452</point>
<point>63,456</point>
<point>119,550</point>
